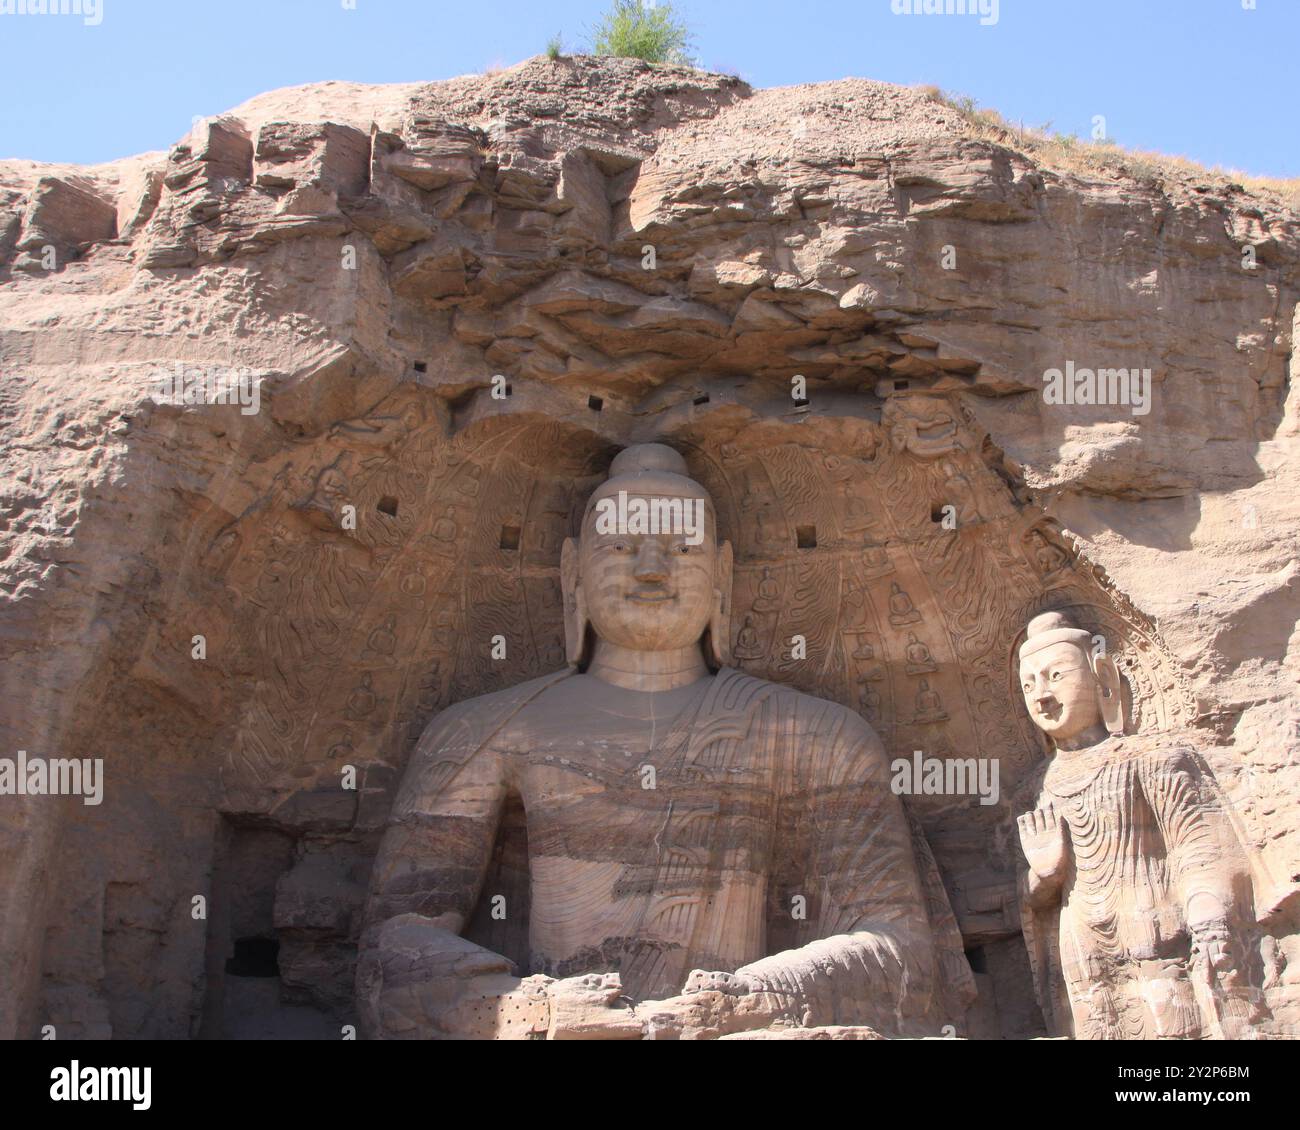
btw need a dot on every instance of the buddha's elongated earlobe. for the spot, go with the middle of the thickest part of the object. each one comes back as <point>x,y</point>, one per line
<point>1110,696</point>
<point>719,643</point>
<point>575,605</point>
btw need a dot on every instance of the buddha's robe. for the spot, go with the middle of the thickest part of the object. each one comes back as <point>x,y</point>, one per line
<point>1149,832</point>
<point>770,829</point>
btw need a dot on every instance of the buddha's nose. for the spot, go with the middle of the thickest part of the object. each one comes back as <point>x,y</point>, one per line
<point>651,564</point>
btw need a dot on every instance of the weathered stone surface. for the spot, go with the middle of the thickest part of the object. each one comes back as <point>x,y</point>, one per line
<point>642,254</point>
<point>62,220</point>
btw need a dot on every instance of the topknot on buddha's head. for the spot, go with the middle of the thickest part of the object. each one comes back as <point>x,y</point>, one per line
<point>650,470</point>
<point>648,457</point>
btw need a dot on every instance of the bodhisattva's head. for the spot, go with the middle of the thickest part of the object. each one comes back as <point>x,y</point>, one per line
<point>647,572</point>
<point>1071,687</point>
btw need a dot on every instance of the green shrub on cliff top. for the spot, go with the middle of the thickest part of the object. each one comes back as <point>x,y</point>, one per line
<point>631,30</point>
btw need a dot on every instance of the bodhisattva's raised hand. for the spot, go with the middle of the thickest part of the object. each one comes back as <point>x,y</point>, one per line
<point>1045,841</point>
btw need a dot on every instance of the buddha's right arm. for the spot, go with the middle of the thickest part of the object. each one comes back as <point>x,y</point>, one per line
<point>435,854</point>
<point>416,976</point>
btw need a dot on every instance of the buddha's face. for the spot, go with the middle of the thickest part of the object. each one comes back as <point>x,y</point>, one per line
<point>1060,690</point>
<point>649,592</point>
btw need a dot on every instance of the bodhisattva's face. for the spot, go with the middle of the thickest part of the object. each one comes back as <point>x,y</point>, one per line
<point>648,592</point>
<point>1060,690</point>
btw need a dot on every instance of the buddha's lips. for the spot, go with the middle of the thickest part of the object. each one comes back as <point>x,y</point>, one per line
<point>651,596</point>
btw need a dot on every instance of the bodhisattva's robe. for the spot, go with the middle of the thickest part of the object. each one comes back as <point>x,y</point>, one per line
<point>1149,832</point>
<point>770,828</point>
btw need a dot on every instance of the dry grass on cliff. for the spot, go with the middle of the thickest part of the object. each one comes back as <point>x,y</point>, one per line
<point>1068,153</point>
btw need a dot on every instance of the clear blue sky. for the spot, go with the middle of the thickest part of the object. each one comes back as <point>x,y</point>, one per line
<point>1207,79</point>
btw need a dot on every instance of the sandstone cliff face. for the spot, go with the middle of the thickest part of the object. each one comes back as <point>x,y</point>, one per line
<point>641,253</point>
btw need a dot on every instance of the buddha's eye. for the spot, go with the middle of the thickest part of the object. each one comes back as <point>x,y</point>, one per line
<point>682,549</point>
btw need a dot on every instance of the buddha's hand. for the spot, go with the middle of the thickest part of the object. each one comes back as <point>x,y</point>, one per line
<point>713,1004</point>
<point>1045,842</point>
<point>1218,962</point>
<point>1213,947</point>
<point>591,1007</point>
<point>418,980</point>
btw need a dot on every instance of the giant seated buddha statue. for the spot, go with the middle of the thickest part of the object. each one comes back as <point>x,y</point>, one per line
<point>709,854</point>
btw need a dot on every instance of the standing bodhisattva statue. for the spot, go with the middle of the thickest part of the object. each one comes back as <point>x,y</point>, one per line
<point>709,853</point>
<point>1138,899</point>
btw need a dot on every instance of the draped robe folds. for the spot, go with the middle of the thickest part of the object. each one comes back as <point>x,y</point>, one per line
<point>1149,831</point>
<point>771,844</point>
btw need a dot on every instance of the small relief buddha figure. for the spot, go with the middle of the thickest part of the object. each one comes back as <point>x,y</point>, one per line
<point>362,700</point>
<point>919,659</point>
<point>1138,900</point>
<point>413,586</point>
<point>856,613</point>
<point>338,744</point>
<point>901,610</point>
<point>430,686</point>
<point>1049,558</point>
<point>864,650</point>
<point>663,910</point>
<point>929,705</point>
<point>865,653</point>
<point>445,531</point>
<point>869,701</point>
<point>748,645</point>
<point>382,642</point>
<point>876,562</point>
<point>769,593</point>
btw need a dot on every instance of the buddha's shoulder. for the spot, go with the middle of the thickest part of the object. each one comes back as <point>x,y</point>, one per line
<point>471,722</point>
<point>788,703</point>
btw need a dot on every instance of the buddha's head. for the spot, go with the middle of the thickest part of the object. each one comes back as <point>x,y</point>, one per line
<point>646,571</point>
<point>1071,687</point>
